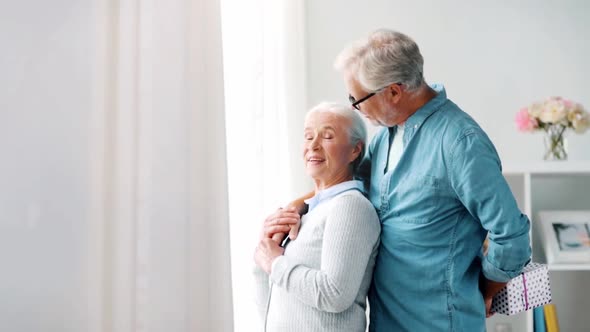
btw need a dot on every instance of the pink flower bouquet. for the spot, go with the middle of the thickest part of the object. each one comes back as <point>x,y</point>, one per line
<point>554,111</point>
<point>554,116</point>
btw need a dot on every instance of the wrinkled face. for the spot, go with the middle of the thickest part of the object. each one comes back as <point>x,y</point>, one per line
<point>376,109</point>
<point>327,151</point>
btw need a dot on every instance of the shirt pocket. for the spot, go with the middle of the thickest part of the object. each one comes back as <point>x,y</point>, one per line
<point>419,198</point>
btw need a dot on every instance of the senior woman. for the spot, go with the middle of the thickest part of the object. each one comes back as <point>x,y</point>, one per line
<point>319,282</point>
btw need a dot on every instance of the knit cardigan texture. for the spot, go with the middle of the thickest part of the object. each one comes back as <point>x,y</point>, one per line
<point>321,281</point>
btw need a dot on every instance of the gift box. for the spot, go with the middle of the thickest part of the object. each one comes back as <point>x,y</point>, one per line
<point>529,290</point>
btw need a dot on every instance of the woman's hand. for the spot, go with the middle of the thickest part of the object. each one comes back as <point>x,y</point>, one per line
<point>266,252</point>
<point>279,223</point>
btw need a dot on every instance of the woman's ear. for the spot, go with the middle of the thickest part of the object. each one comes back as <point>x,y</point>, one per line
<point>356,151</point>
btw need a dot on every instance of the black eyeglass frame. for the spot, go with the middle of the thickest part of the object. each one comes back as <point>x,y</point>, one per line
<point>355,103</point>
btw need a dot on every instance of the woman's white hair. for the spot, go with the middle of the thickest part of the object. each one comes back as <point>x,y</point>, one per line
<point>357,131</point>
<point>383,58</point>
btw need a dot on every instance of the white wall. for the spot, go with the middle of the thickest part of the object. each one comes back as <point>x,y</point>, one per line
<point>493,57</point>
<point>46,65</point>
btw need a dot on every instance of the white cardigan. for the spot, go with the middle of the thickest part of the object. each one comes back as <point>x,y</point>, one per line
<point>321,281</point>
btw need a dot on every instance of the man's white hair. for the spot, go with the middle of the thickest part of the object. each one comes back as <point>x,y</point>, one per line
<point>383,58</point>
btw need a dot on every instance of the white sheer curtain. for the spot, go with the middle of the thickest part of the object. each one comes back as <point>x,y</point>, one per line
<point>160,214</point>
<point>264,60</point>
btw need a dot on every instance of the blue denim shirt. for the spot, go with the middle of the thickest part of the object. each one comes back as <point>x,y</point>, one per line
<point>436,207</point>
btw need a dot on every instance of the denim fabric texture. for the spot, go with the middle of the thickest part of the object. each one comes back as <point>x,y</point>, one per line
<point>436,207</point>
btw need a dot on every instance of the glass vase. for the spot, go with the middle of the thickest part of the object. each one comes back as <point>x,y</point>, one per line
<point>555,143</point>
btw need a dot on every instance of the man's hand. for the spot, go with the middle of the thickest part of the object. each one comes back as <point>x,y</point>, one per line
<point>266,252</point>
<point>490,289</point>
<point>281,222</point>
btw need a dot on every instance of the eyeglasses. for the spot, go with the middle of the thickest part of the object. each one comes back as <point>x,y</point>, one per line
<point>355,103</point>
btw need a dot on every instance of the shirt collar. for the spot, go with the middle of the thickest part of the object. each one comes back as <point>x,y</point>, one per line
<point>427,109</point>
<point>328,193</point>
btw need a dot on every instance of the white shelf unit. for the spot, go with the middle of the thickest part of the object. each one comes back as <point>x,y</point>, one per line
<point>559,185</point>
<point>569,267</point>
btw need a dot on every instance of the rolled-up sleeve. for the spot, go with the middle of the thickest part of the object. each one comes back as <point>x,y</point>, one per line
<point>476,176</point>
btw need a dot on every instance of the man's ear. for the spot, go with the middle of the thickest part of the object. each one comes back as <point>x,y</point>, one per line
<point>394,92</point>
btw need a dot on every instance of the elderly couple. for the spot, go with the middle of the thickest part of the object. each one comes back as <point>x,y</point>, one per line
<point>401,224</point>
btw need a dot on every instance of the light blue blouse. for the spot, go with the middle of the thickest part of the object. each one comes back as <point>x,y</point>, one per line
<point>329,193</point>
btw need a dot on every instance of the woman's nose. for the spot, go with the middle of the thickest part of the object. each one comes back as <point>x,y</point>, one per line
<point>315,143</point>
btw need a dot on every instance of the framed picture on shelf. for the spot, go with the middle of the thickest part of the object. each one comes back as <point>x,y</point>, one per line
<point>566,236</point>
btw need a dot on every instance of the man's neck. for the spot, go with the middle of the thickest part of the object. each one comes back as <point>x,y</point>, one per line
<point>422,96</point>
<point>416,100</point>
